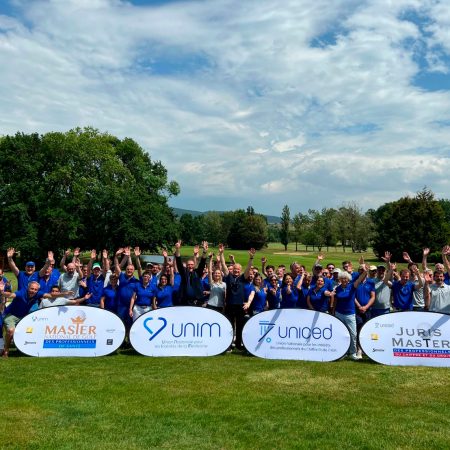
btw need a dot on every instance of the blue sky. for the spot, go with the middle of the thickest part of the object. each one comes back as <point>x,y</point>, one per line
<point>255,102</point>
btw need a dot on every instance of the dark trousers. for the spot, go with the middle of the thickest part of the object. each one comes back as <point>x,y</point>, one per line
<point>235,314</point>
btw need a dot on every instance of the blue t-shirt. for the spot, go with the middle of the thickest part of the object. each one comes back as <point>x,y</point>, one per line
<point>302,294</point>
<point>248,289</point>
<point>23,279</point>
<point>289,300</point>
<point>274,300</point>
<point>318,299</point>
<point>7,284</point>
<point>403,295</point>
<point>125,289</point>
<point>345,299</point>
<point>446,278</point>
<point>46,285</point>
<point>21,305</point>
<point>327,283</point>
<point>82,291</point>
<point>164,296</point>
<point>364,290</point>
<point>95,287</point>
<point>144,295</point>
<point>259,301</point>
<point>110,301</point>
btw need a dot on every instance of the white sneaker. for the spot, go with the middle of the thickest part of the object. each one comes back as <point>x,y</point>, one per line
<point>359,354</point>
<point>354,357</point>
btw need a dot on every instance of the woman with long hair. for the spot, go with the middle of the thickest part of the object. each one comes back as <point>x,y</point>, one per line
<point>163,294</point>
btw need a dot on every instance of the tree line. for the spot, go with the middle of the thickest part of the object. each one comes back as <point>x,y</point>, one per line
<point>94,190</point>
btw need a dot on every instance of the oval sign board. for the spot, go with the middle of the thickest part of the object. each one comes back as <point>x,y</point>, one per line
<point>408,339</point>
<point>69,331</point>
<point>181,331</point>
<point>296,334</point>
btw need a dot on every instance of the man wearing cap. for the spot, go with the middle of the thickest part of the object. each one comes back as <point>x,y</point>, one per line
<point>23,276</point>
<point>23,301</point>
<point>95,281</point>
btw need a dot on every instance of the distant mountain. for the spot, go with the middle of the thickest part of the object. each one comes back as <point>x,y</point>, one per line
<point>180,211</point>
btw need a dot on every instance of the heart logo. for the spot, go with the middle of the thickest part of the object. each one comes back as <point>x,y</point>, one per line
<point>153,333</point>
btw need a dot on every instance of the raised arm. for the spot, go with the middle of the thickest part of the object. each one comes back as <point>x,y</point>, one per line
<point>91,261</point>
<point>361,277</point>
<point>62,263</point>
<point>222,260</point>
<point>126,260</point>
<point>300,281</point>
<point>419,278</point>
<point>105,262</point>
<point>263,266</point>
<point>445,253</point>
<point>210,268</point>
<point>48,261</point>
<point>12,265</point>
<point>117,267</point>
<point>388,273</point>
<point>202,263</point>
<point>137,254</point>
<point>172,276</point>
<point>426,252</point>
<point>251,255</point>
<point>195,255</point>
<point>318,260</point>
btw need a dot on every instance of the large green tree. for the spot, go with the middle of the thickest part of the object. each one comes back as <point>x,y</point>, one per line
<point>248,230</point>
<point>410,224</point>
<point>82,188</point>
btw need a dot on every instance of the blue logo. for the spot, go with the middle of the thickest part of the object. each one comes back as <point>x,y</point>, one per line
<point>154,334</point>
<point>188,329</point>
<point>265,327</point>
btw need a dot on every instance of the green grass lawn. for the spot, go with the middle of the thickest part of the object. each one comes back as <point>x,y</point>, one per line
<point>276,255</point>
<point>229,401</point>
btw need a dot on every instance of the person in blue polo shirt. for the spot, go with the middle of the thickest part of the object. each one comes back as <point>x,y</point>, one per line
<point>163,293</point>
<point>142,299</point>
<point>343,305</point>
<point>402,287</point>
<point>318,296</point>
<point>257,300</point>
<point>109,298</point>
<point>126,289</point>
<point>95,284</point>
<point>23,276</point>
<point>23,301</point>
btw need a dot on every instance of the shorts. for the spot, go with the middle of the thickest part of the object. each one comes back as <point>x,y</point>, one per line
<point>10,321</point>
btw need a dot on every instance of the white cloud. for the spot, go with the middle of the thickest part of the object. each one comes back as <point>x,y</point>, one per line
<point>304,99</point>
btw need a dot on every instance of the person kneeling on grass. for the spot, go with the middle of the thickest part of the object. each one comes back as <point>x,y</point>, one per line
<point>23,301</point>
<point>57,298</point>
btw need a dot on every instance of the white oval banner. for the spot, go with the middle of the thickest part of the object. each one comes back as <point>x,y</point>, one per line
<point>296,334</point>
<point>181,331</point>
<point>69,331</point>
<point>408,339</point>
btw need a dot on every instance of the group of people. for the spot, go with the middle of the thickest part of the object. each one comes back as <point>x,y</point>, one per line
<point>207,280</point>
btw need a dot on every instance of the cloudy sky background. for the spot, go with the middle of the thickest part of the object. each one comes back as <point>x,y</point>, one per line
<point>255,102</point>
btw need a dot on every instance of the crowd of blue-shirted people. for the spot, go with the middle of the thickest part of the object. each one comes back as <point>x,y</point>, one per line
<point>207,280</point>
